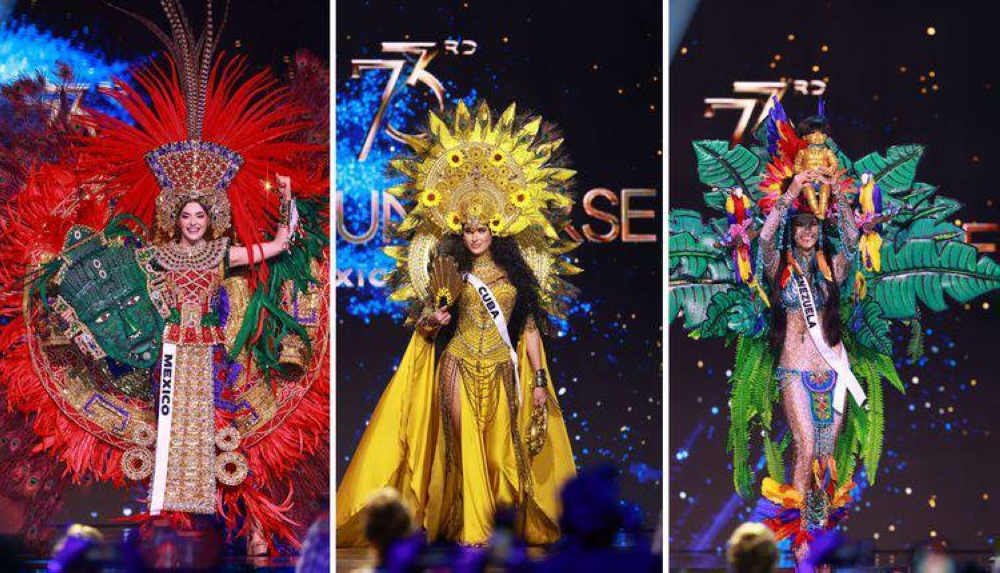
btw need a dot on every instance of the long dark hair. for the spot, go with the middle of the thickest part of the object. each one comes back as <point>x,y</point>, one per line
<point>508,257</point>
<point>831,310</point>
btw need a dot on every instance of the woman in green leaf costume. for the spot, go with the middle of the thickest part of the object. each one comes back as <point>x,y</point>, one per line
<point>842,248</point>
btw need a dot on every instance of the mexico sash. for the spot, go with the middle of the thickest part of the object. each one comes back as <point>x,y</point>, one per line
<point>846,381</point>
<point>164,408</point>
<point>493,309</point>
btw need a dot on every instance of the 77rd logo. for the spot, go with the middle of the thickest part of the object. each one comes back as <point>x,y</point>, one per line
<point>761,92</point>
<point>422,53</point>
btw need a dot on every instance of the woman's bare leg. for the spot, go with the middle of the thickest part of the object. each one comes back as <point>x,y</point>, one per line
<point>257,543</point>
<point>795,399</point>
<point>798,411</point>
<point>455,394</point>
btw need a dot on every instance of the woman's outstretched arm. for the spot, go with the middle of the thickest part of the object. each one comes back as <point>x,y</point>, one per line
<point>769,250</point>
<point>239,256</point>
<point>848,232</point>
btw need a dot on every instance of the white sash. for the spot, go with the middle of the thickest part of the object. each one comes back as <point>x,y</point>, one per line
<point>493,309</point>
<point>165,408</point>
<point>846,381</point>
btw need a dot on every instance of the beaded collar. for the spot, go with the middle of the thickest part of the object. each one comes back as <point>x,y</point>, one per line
<point>207,255</point>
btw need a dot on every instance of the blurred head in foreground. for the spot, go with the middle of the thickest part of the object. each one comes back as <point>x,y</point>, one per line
<point>388,519</point>
<point>752,549</point>
<point>77,551</point>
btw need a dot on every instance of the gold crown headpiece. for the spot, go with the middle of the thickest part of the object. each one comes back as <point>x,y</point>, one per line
<point>193,171</point>
<point>474,171</point>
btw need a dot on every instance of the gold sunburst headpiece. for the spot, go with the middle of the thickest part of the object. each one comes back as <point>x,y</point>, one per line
<point>477,171</point>
<point>470,169</point>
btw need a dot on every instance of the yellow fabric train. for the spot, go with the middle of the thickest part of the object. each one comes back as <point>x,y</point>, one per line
<point>403,447</point>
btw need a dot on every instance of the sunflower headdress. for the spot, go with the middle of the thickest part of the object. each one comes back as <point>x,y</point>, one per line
<point>505,174</point>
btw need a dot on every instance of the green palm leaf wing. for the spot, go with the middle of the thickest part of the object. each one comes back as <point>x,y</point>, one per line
<point>926,270</point>
<point>693,297</point>
<point>895,171</point>
<point>692,248</point>
<point>698,268</point>
<point>721,167</point>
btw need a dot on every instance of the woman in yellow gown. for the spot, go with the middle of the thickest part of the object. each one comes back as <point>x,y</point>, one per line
<point>451,431</point>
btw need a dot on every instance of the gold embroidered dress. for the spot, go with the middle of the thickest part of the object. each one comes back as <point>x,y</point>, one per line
<point>457,482</point>
<point>485,466</point>
<point>193,277</point>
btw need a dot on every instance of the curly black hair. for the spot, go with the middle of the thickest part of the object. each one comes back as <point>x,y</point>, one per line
<point>508,257</point>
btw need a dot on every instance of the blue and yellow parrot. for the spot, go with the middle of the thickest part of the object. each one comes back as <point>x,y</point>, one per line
<point>870,243</point>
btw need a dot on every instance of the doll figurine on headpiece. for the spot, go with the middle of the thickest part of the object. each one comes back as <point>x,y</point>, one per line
<point>816,156</point>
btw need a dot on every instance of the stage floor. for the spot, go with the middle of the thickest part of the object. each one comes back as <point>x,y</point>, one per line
<point>351,559</point>
<point>230,565</point>
<point>884,561</point>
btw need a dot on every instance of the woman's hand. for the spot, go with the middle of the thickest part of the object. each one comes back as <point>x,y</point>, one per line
<point>799,180</point>
<point>440,317</point>
<point>281,238</point>
<point>834,180</point>
<point>539,396</point>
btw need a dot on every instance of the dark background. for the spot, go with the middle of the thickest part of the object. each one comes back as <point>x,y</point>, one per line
<point>611,361</point>
<point>268,32</point>
<point>938,475</point>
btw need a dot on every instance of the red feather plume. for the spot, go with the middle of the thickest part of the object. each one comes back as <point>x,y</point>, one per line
<point>252,115</point>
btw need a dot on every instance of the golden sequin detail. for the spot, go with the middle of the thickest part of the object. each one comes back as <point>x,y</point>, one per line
<point>191,470</point>
<point>176,257</point>
<point>477,343</point>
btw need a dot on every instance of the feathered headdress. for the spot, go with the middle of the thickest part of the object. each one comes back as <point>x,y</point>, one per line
<point>203,130</point>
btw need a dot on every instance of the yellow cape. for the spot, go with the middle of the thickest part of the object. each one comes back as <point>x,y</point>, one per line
<point>398,450</point>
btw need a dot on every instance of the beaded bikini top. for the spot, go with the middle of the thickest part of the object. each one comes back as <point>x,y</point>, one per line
<point>790,296</point>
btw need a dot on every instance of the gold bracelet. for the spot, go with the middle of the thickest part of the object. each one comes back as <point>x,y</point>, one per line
<point>541,378</point>
<point>284,212</point>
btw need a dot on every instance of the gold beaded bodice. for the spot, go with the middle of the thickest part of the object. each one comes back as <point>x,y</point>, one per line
<point>476,338</point>
<point>193,277</point>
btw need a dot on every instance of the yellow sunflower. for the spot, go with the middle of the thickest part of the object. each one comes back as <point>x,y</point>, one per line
<point>498,157</point>
<point>443,297</point>
<point>454,222</point>
<point>496,225</point>
<point>455,158</point>
<point>520,199</point>
<point>429,198</point>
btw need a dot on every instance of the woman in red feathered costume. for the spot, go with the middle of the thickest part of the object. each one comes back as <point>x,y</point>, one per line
<point>240,400</point>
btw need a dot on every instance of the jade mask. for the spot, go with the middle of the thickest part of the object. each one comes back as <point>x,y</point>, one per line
<point>108,291</point>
